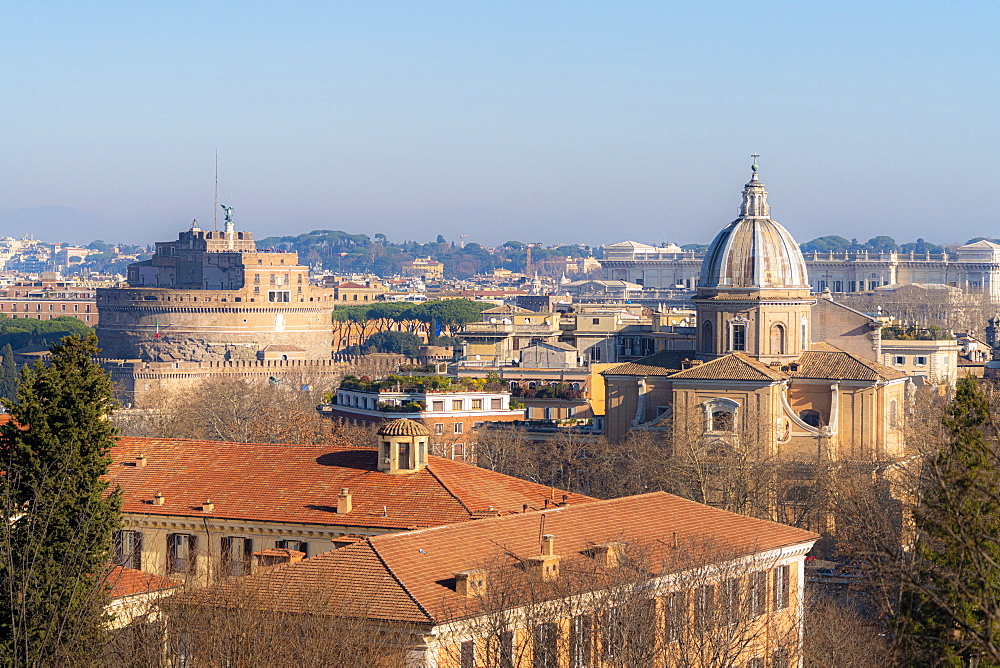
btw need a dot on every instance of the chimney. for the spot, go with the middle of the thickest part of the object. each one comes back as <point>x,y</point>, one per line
<point>158,499</point>
<point>276,556</point>
<point>140,461</point>
<point>344,504</point>
<point>608,555</point>
<point>546,565</point>
<point>208,506</point>
<point>471,583</point>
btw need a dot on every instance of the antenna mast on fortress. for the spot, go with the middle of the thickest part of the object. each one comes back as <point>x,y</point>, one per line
<point>215,208</point>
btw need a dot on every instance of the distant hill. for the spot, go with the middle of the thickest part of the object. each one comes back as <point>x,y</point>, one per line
<point>52,223</point>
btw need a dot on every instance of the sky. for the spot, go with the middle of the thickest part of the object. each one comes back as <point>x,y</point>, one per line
<point>552,122</point>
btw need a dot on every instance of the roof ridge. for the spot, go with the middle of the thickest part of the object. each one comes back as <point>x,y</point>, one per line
<point>447,487</point>
<point>395,577</point>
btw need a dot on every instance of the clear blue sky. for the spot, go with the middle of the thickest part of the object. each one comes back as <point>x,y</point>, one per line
<point>538,121</point>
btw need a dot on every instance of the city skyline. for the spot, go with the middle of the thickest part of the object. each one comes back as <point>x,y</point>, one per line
<point>545,122</point>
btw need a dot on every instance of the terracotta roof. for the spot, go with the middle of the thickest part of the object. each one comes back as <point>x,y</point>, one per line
<point>351,285</point>
<point>663,363</point>
<point>403,427</point>
<point>410,576</point>
<point>835,364</point>
<point>507,308</point>
<point>734,366</point>
<point>300,483</point>
<point>128,581</point>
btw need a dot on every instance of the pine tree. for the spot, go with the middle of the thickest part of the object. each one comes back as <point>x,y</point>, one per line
<point>8,373</point>
<point>951,603</point>
<point>56,547</point>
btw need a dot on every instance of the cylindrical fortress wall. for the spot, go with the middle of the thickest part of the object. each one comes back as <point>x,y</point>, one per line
<point>208,325</point>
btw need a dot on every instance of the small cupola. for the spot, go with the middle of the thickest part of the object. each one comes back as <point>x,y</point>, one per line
<point>402,446</point>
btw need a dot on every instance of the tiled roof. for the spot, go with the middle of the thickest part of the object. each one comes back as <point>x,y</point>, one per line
<point>735,366</point>
<point>507,308</point>
<point>351,285</point>
<point>835,364</point>
<point>403,427</point>
<point>410,576</point>
<point>663,363</point>
<point>300,483</point>
<point>128,581</point>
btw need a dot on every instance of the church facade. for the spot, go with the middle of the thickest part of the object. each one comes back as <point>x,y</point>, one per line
<point>767,359</point>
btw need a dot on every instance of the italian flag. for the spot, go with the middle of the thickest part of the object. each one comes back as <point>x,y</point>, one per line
<point>157,328</point>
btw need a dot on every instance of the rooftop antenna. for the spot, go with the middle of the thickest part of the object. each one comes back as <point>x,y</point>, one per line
<point>215,209</point>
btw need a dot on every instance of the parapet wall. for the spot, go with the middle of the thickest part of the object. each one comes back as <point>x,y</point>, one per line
<point>140,384</point>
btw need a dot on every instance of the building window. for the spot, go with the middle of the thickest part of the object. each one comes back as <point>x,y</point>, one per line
<point>507,649</point>
<point>256,279</point>
<point>706,337</point>
<point>237,555</point>
<point>477,404</point>
<point>838,286</point>
<point>546,646</point>
<point>297,545</point>
<point>570,412</point>
<point>782,582</point>
<point>675,615</point>
<point>596,321</point>
<point>899,360</point>
<point>892,414</point>
<point>739,337</point>
<point>919,360</point>
<point>757,593</point>
<point>278,295</point>
<point>581,641</point>
<point>811,418</point>
<point>438,428</point>
<point>496,404</point>
<point>468,654</point>
<point>459,427</point>
<point>437,405</point>
<point>612,632</point>
<point>722,420</point>
<point>404,455</point>
<point>128,549</point>
<point>704,607</point>
<point>456,405</point>
<point>181,553</point>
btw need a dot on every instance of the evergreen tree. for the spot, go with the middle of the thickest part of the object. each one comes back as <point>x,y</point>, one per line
<point>56,537</point>
<point>8,373</point>
<point>951,602</point>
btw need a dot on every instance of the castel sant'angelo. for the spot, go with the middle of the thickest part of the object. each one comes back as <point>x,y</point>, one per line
<point>211,304</point>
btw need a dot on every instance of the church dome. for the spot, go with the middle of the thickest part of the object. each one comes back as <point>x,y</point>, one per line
<point>754,251</point>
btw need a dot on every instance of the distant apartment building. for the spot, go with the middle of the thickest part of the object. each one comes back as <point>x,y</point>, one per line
<point>921,353</point>
<point>50,297</point>
<point>451,415</point>
<point>424,267</point>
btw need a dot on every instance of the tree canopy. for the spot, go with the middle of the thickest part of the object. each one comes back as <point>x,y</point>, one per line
<point>447,311</point>
<point>59,519</point>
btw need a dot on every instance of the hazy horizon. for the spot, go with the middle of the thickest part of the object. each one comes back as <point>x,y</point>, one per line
<point>546,122</point>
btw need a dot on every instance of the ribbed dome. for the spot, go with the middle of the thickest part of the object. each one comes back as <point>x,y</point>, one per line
<point>753,251</point>
<point>403,427</point>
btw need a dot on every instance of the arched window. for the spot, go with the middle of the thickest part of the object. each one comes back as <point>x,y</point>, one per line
<point>706,338</point>
<point>723,420</point>
<point>811,418</point>
<point>777,339</point>
<point>892,414</point>
<point>720,415</point>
